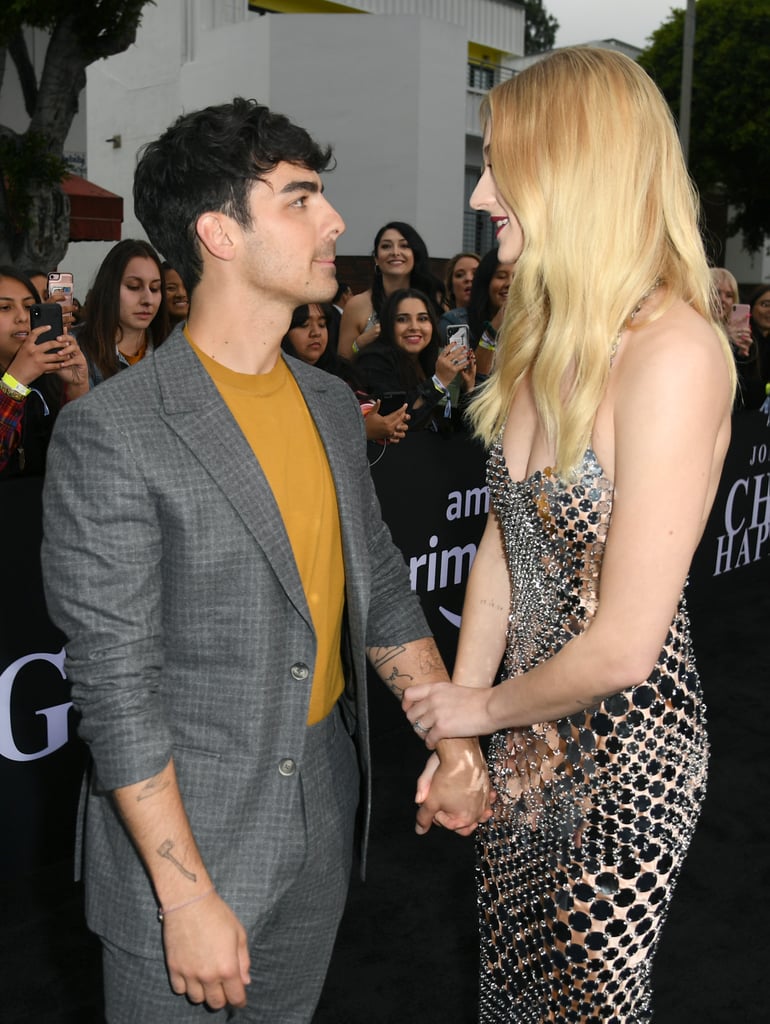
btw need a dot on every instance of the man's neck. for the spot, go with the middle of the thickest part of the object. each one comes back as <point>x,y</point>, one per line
<point>242,335</point>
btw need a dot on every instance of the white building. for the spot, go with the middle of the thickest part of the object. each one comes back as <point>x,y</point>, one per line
<point>393,85</point>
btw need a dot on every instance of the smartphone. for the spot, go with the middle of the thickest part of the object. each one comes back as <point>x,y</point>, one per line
<point>740,314</point>
<point>46,313</point>
<point>459,333</point>
<point>60,281</point>
<point>391,401</point>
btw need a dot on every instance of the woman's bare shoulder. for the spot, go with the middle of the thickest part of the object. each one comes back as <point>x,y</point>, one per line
<point>359,303</point>
<point>680,348</point>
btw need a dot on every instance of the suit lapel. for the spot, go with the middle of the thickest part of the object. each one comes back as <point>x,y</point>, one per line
<point>314,385</point>
<point>193,408</point>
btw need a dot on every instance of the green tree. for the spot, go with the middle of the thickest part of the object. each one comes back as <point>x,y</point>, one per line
<point>541,27</point>
<point>34,212</point>
<point>730,117</point>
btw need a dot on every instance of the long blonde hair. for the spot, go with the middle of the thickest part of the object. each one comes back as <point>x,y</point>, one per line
<point>585,153</point>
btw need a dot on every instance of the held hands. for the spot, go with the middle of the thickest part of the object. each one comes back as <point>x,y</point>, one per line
<point>207,953</point>
<point>438,711</point>
<point>453,790</point>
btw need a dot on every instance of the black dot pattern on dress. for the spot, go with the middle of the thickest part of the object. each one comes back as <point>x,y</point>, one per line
<point>594,813</point>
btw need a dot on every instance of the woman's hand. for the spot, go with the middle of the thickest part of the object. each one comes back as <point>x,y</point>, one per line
<point>740,338</point>
<point>366,337</point>
<point>49,355</point>
<point>73,368</point>
<point>391,428</point>
<point>441,711</point>
<point>452,359</point>
<point>468,373</point>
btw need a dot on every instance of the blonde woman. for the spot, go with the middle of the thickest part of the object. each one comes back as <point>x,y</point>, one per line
<point>608,418</point>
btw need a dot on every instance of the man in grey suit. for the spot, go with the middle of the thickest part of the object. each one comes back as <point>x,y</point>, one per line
<point>215,554</point>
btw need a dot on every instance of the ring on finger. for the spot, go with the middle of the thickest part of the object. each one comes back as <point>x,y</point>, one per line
<point>419,728</point>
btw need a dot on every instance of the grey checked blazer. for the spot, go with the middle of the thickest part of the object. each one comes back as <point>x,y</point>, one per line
<point>167,566</point>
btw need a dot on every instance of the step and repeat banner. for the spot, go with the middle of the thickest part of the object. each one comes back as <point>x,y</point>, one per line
<point>434,499</point>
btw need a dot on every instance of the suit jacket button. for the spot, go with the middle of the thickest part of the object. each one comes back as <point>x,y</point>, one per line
<point>300,671</point>
<point>287,766</point>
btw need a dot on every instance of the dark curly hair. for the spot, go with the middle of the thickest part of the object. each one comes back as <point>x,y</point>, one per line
<point>209,160</point>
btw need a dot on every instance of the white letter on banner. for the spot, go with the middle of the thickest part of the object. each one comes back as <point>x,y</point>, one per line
<point>55,716</point>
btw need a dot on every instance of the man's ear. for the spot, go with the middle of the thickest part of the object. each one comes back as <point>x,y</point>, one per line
<point>216,232</point>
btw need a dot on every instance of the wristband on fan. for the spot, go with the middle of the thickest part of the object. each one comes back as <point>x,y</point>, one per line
<point>14,387</point>
<point>442,388</point>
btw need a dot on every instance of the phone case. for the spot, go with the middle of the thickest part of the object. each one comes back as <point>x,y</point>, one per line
<point>42,313</point>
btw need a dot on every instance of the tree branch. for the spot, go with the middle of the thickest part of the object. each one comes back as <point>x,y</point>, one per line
<point>17,47</point>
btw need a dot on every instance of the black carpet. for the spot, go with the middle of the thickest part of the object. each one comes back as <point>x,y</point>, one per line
<point>406,950</point>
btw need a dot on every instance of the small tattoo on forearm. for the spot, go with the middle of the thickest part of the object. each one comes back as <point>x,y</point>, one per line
<point>485,603</point>
<point>590,703</point>
<point>151,788</point>
<point>430,660</point>
<point>380,656</point>
<point>393,686</point>
<point>165,849</point>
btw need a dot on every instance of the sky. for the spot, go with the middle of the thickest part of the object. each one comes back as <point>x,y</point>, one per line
<point>630,21</point>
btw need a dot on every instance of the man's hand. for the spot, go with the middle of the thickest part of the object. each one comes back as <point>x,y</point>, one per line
<point>207,953</point>
<point>453,790</point>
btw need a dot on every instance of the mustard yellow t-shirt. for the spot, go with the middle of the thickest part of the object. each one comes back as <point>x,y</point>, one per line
<point>271,412</point>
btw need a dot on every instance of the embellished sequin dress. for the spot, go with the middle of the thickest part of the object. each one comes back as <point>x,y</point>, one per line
<point>576,869</point>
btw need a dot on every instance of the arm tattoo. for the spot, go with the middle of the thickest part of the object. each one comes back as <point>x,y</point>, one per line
<point>165,849</point>
<point>595,702</point>
<point>393,685</point>
<point>429,659</point>
<point>151,788</point>
<point>379,656</point>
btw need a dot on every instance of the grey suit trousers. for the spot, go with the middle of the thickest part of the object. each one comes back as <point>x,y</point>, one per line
<point>291,940</point>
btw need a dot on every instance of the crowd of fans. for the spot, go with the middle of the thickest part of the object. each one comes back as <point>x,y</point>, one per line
<point>389,342</point>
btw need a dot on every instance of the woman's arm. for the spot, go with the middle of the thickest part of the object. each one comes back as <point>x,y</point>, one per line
<point>671,422</point>
<point>487,601</point>
<point>354,320</point>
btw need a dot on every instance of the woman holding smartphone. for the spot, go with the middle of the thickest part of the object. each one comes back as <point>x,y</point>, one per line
<point>406,362</point>
<point>604,459</point>
<point>39,374</point>
<point>736,320</point>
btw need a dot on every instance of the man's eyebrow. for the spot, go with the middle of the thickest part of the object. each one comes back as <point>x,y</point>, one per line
<point>301,186</point>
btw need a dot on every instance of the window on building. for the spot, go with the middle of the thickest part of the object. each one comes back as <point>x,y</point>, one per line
<point>477,227</point>
<point>481,77</point>
<point>228,12</point>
